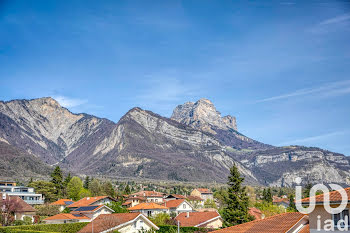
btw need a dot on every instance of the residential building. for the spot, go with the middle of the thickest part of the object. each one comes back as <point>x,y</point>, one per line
<point>210,219</point>
<point>203,193</point>
<point>178,206</point>
<point>121,222</point>
<point>87,201</point>
<point>27,194</point>
<point>284,202</point>
<point>66,218</point>
<point>20,208</point>
<point>7,183</point>
<point>149,209</point>
<point>81,214</point>
<point>174,197</point>
<point>195,201</point>
<point>62,203</point>
<point>256,213</point>
<point>133,201</point>
<point>281,223</point>
<point>319,217</point>
<point>150,196</point>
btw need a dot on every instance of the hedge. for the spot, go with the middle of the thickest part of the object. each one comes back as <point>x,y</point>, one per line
<point>171,228</point>
<point>56,228</point>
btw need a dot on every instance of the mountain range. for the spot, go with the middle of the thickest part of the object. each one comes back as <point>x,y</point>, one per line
<point>196,144</point>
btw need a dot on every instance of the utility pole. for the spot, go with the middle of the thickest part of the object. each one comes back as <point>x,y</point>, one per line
<point>178,226</point>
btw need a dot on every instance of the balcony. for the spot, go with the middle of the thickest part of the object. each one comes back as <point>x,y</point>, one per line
<point>34,202</point>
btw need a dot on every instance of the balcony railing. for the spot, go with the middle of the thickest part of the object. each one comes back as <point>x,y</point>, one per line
<point>34,202</point>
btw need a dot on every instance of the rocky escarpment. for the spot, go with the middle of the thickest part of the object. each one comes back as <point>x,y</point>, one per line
<point>281,166</point>
<point>203,115</point>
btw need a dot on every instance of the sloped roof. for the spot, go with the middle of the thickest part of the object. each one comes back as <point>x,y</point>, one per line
<point>147,206</point>
<point>63,202</point>
<point>194,198</point>
<point>108,221</point>
<point>305,229</point>
<point>334,196</point>
<point>173,203</point>
<point>177,196</point>
<point>196,218</point>
<point>90,208</point>
<point>88,201</point>
<point>147,194</point>
<point>203,190</point>
<point>17,204</point>
<point>280,223</point>
<point>64,216</point>
<point>255,212</point>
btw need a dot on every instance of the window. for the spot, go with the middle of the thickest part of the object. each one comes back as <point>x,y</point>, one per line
<point>149,213</point>
<point>344,215</point>
<point>184,206</point>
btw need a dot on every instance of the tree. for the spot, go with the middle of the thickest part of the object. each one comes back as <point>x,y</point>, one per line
<point>292,207</point>
<point>117,207</point>
<point>84,193</point>
<point>127,190</point>
<point>87,182</point>
<point>236,204</point>
<point>47,210</point>
<point>108,189</point>
<point>74,187</point>
<point>95,187</point>
<point>307,188</point>
<point>67,180</point>
<point>7,210</point>
<point>267,195</point>
<point>209,203</point>
<point>46,188</point>
<point>57,180</point>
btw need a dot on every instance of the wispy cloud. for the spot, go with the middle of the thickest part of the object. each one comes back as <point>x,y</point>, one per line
<point>337,19</point>
<point>68,102</point>
<point>313,138</point>
<point>327,90</point>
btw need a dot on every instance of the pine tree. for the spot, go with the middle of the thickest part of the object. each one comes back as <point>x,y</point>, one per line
<point>87,182</point>
<point>236,204</point>
<point>292,206</point>
<point>108,189</point>
<point>57,180</point>
<point>127,189</point>
<point>269,195</point>
<point>67,180</point>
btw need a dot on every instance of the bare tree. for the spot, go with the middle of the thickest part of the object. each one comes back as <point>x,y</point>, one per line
<point>8,206</point>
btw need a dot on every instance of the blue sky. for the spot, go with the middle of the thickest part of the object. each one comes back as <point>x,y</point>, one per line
<point>281,67</point>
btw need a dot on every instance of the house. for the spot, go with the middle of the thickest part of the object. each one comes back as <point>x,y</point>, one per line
<point>62,203</point>
<point>174,197</point>
<point>25,193</point>
<point>149,209</point>
<point>132,201</point>
<point>86,201</point>
<point>281,223</point>
<point>19,207</point>
<point>81,214</point>
<point>203,193</point>
<point>150,196</point>
<point>256,213</point>
<point>284,202</point>
<point>319,217</point>
<point>7,183</point>
<point>66,218</point>
<point>178,206</point>
<point>195,201</point>
<point>210,219</point>
<point>121,222</point>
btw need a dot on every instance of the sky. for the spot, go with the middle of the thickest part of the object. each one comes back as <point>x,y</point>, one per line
<point>281,67</point>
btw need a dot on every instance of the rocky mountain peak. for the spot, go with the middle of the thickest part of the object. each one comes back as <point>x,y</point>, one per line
<point>203,115</point>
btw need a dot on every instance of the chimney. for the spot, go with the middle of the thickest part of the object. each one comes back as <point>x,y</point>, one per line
<point>187,214</point>
<point>88,198</point>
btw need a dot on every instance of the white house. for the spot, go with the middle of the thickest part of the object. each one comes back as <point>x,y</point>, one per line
<point>179,206</point>
<point>149,209</point>
<point>121,222</point>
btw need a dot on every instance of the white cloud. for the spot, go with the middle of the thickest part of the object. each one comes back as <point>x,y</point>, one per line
<point>327,90</point>
<point>337,19</point>
<point>68,102</point>
<point>313,138</point>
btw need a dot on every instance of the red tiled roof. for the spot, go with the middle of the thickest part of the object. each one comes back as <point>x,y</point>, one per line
<point>127,203</point>
<point>87,201</point>
<point>202,190</point>
<point>108,221</point>
<point>178,196</point>
<point>255,212</point>
<point>280,223</point>
<point>17,204</point>
<point>61,202</point>
<point>147,206</point>
<point>147,194</point>
<point>194,198</point>
<point>305,229</point>
<point>279,200</point>
<point>173,203</point>
<point>63,216</point>
<point>334,196</point>
<point>195,218</point>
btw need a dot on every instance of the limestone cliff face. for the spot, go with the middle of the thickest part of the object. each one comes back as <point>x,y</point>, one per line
<point>203,115</point>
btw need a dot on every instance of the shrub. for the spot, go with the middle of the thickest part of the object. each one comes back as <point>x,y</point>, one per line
<point>173,229</point>
<point>18,223</point>
<point>27,220</point>
<point>61,228</point>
